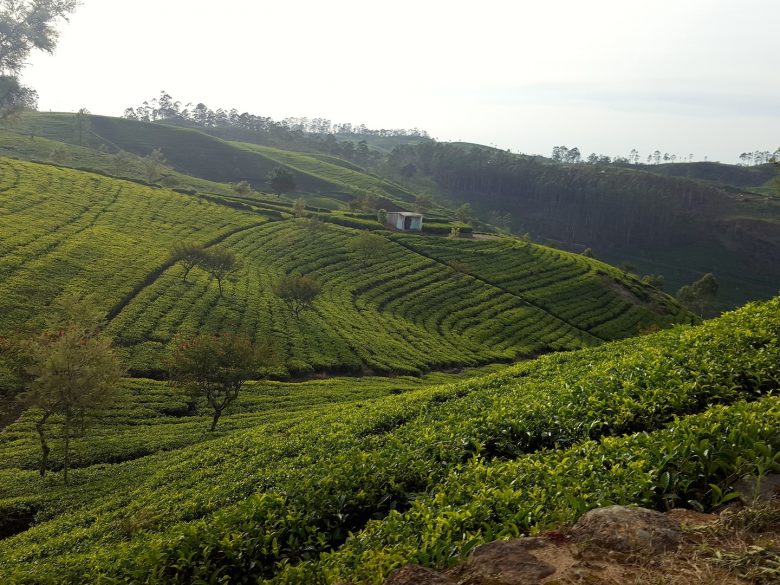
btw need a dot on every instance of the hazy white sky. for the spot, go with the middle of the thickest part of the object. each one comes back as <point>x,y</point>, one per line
<point>683,76</point>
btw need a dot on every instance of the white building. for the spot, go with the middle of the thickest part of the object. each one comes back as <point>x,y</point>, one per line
<point>405,221</point>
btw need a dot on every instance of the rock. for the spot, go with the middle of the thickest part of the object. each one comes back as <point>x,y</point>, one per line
<point>754,490</point>
<point>628,530</point>
<point>417,575</point>
<point>505,562</point>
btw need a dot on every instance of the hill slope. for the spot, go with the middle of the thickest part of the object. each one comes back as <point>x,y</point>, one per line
<point>407,310</point>
<point>667,225</point>
<point>344,480</point>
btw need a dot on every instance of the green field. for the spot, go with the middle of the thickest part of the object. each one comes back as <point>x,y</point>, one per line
<point>406,312</point>
<point>348,478</point>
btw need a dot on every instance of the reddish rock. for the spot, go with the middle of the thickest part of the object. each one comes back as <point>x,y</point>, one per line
<point>505,562</point>
<point>628,530</point>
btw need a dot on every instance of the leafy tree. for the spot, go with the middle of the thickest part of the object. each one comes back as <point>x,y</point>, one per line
<point>121,161</point>
<point>82,124</point>
<point>423,203</point>
<point>281,180</point>
<point>188,255</point>
<point>463,213</point>
<point>588,253</point>
<point>153,164</point>
<point>367,247</point>
<point>59,154</point>
<point>219,263</point>
<point>242,188</point>
<point>454,233</point>
<point>25,25</point>
<point>299,207</point>
<point>298,292</point>
<point>381,216</point>
<point>700,295</point>
<point>71,370</point>
<point>215,368</point>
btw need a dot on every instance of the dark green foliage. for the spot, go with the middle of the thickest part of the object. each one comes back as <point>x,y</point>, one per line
<point>700,295</point>
<point>219,263</point>
<point>297,292</point>
<point>215,367</point>
<point>281,180</point>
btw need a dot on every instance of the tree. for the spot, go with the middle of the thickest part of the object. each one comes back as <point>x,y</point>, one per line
<point>242,188</point>
<point>454,233</point>
<point>219,263</point>
<point>588,253</point>
<point>188,255</point>
<point>367,247</point>
<point>299,207</point>
<point>463,213</point>
<point>281,180</point>
<point>215,368</point>
<point>82,124</point>
<point>71,370</point>
<point>423,203</point>
<point>700,295</point>
<point>25,25</point>
<point>298,292</point>
<point>153,164</point>
<point>121,161</point>
<point>381,216</point>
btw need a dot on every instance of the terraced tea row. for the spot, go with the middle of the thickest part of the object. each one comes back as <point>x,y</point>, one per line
<point>588,294</point>
<point>62,230</point>
<point>439,468</point>
<point>399,312</point>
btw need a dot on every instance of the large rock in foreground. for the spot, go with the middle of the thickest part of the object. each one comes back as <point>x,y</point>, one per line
<point>628,530</point>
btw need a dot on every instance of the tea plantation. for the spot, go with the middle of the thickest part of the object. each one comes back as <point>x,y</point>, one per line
<point>420,303</point>
<point>342,480</point>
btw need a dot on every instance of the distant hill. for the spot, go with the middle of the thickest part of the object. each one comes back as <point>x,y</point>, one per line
<point>679,220</point>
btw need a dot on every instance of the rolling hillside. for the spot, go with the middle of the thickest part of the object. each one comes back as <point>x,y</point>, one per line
<point>409,310</point>
<point>679,220</point>
<point>343,480</point>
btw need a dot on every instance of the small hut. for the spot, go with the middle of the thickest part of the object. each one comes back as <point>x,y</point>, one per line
<point>405,221</point>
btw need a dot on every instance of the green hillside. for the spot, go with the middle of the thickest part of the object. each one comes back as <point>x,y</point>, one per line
<point>345,479</point>
<point>679,220</point>
<point>198,154</point>
<point>408,310</point>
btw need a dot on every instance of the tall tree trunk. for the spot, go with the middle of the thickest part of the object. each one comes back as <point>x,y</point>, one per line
<point>217,413</point>
<point>39,426</point>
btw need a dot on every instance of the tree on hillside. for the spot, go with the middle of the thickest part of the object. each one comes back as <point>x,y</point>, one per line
<point>242,188</point>
<point>219,263</point>
<point>299,207</point>
<point>381,216</point>
<point>281,180</point>
<point>82,124</point>
<point>700,295</point>
<point>297,292</point>
<point>188,255</point>
<point>423,203</point>
<point>463,213</point>
<point>215,368</point>
<point>121,162</point>
<point>71,371</point>
<point>25,25</point>
<point>153,163</point>
<point>367,247</point>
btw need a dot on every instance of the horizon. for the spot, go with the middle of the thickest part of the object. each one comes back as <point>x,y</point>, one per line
<point>606,79</point>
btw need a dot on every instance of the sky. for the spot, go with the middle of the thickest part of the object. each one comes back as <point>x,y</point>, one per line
<point>697,77</point>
